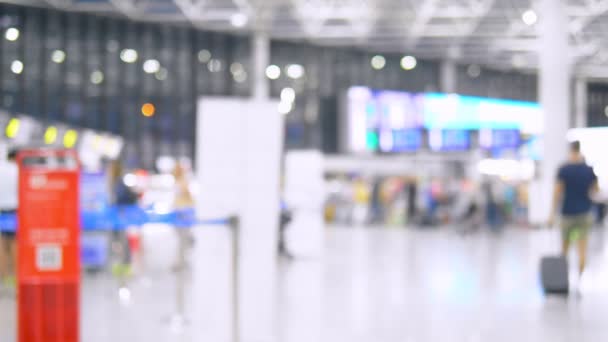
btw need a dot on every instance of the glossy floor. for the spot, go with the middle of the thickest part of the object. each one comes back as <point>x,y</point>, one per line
<point>376,285</point>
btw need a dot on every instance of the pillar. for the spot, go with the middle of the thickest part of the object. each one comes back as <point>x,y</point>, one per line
<point>580,96</point>
<point>554,91</point>
<point>448,77</point>
<point>261,60</point>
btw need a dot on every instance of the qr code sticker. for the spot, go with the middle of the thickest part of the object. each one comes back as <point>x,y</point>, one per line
<point>49,258</point>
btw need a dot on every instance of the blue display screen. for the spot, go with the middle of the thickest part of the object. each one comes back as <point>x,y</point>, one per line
<point>393,121</point>
<point>406,140</point>
<point>451,111</point>
<point>503,139</point>
<point>449,140</point>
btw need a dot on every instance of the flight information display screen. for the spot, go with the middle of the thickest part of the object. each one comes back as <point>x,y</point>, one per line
<point>403,140</point>
<point>384,120</point>
<point>395,121</point>
<point>452,111</point>
<point>499,139</point>
<point>450,140</point>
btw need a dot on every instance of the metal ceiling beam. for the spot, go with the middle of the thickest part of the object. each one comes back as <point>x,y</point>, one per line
<point>581,10</point>
<point>481,8</point>
<point>430,36</point>
<point>129,8</point>
<point>423,17</point>
<point>91,7</point>
<point>515,44</point>
<point>592,10</point>
<point>595,72</point>
<point>191,9</point>
<point>198,12</point>
<point>35,3</point>
<point>61,4</point>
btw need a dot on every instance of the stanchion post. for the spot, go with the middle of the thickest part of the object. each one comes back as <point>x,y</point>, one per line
<point>178,321</point>
<point>236,324</point>
<point>181,273</point>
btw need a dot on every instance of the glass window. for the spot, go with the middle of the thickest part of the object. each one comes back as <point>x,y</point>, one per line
<point>73,111</point>
<point>112,84</point>
<point>94,73</point>
<point>32,72</point>
<point>13,64</point>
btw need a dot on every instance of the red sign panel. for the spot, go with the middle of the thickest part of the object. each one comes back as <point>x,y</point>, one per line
<point>48,237</point>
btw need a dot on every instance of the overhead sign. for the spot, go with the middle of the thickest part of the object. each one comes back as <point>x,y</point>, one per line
<point>452,111</point>
<point>374,117</point>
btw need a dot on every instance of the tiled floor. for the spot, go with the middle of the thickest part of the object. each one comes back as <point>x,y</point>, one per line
<point>376,285</point>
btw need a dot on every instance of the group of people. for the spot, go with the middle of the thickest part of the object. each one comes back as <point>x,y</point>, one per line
<point>424,201</point>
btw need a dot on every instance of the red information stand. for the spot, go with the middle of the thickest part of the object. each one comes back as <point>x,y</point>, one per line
<point>48,238</point>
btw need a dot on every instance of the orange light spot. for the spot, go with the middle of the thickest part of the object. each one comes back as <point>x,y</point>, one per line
<point>148,109</point>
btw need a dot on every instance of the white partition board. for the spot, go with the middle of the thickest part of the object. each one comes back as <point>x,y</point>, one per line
<point>305,195</point>
<point>239,146</point>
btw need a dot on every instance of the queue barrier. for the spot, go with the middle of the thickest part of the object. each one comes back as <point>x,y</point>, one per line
<point>94,251</point>
<point>121,217</point>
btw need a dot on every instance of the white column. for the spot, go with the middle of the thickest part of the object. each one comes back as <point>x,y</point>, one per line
<point>554,90</point>
<point>580,95</point>
<point>261,59</point>
<point>448,77</point>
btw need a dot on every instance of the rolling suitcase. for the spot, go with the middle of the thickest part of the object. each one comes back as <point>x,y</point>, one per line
<point>554,274</point>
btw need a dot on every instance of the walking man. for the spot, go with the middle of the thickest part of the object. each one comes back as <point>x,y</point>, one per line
<point>575,186</point>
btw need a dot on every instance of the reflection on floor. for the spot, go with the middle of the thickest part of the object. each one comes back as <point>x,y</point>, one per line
<point>380,285</point>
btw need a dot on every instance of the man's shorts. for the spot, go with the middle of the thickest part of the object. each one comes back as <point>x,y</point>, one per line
<point>576,227</point>
<point>7,232</point>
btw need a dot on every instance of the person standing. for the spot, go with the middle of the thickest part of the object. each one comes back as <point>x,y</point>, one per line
<point>183,206</point>
<point>411,194</point>
<point>575,186</point>
<point>9,177</point>
<point>122,197</point>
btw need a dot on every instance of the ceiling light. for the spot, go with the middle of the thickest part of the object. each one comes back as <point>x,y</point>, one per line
<point>273,72</point>
<point>474,71</point>
<point>529,17</point>
<point>70,138</point>
<point>12,34</point>
<point>161,74</point>
<point>148,110</point>
<point>295,71</point>
<point>128,56</point>
<point>214,65</point>
<point>285,107</point>
<point>17,67</point>
<point>58,56</point>
<point>288,95</point>
<point>12,129</point>
<point>204,56</point>
<point>378,62</point>
<point>408,62</point>
<point>236,68</point>
<point>240,78</point>
<point>151,66</point>
<point>50,135</point>
<point>97,77</point>
<point>239,20</point>
<point>518,61</point>
<point>112,46</point>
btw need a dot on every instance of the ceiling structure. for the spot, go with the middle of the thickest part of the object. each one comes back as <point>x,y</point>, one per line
<point>486,32</point>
